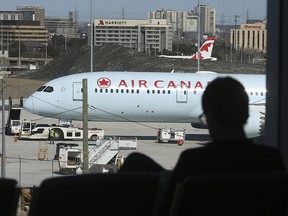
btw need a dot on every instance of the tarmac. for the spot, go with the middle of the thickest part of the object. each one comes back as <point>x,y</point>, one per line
<point>30,165</point>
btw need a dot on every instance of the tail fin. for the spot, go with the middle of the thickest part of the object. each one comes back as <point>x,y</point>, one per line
<point>205,49</point>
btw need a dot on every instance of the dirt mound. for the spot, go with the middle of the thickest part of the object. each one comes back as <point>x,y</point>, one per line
<point>16,88</point>
<point>117,58</point>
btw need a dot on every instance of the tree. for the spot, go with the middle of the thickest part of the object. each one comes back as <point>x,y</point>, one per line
<point>14,49</point>
<point>58,43</point>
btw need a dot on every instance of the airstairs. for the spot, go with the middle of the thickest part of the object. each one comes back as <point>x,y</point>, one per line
<point>105,150</point>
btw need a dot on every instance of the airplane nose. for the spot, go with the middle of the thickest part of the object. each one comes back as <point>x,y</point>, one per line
<point>28,104</point>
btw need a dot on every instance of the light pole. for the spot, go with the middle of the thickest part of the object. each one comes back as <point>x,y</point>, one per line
<point>1,42</point>
<point>198,53</point>
<point>19,47</point>
<point>46,52</point>
<point>235,20</point>
<point>65,42</point>
<point>233,45</point>
<point>1,35</point>
<point>91,37</point>
<point>3,166</point>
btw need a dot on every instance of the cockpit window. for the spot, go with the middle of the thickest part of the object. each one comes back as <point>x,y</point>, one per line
<point>49,89</point>
<point>41,88</point>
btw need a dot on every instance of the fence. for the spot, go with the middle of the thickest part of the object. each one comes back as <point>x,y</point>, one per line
<point>30,172</point>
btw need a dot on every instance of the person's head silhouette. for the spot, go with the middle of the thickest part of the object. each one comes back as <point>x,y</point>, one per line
<point>225,105</point>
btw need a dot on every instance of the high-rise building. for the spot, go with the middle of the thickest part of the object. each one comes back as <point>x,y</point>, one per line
<point>34,13</point>
<point>185,24</point>
<point>250,36</point>
<point>150,36</point>
<point>207,19</point>
<point>23,26</point>
<point>11,15</point>
<point>175,18</point>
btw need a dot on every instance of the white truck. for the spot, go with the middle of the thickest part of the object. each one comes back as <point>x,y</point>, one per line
<point>31,130</point>
<point>171,134</point>
<point>13,124</point>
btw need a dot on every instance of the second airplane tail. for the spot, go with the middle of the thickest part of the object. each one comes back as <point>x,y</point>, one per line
<point>205,50</point>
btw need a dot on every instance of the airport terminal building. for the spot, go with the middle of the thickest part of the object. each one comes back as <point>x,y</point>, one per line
<point>149,36</point>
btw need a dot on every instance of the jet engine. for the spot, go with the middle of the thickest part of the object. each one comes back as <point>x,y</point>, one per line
<point>254,126</point>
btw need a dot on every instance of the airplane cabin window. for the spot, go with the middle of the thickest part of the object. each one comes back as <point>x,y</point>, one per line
<point>41,88</point>
<point>95,90</point>
<point>111,90</point>
<point>49,89</point>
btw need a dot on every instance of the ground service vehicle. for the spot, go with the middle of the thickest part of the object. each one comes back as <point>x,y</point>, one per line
<point>13,124</point>
<point>103,156</point>
<point>41,131</point>
<point>172,134</point>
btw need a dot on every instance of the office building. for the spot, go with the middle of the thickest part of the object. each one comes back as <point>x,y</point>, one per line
<point>26,24</point>
<point>150,36</point>
<point>33,13</point>
<point>182,23</point>
<point>250,36</point>
<point>65,26</point>
<point>207,19</point>
<point>185,24</point>
<point>11,15</point>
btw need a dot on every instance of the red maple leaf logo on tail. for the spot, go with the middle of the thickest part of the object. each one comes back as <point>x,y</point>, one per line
<point>205,47</point>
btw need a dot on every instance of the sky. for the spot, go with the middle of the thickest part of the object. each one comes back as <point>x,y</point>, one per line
<point>137,9</point>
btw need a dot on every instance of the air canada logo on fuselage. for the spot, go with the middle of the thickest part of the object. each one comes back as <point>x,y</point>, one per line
<point>103,82</point>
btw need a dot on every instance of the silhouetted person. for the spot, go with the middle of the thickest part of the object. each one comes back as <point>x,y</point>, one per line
<point>226,110</point>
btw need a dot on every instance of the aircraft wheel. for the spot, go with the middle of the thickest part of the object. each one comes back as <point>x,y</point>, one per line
<point>58,134</point>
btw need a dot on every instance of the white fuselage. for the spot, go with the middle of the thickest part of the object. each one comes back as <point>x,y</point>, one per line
<point>134,96</point>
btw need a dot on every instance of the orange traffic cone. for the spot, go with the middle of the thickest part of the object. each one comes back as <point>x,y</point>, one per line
<point>15,138</point>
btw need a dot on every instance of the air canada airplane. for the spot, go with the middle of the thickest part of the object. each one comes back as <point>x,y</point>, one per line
<point>205,52</point>
<point>141,97</point>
